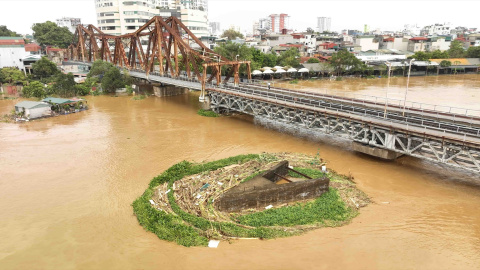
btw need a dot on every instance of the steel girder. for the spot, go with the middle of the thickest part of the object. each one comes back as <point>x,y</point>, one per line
<point>170,49</point>
<point>425,147</point>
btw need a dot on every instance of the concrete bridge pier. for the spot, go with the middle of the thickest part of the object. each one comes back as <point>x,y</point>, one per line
<point>375,151</point>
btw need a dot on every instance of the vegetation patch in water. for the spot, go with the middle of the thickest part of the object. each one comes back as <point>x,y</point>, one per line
<point>207,113</point>
<point>165,208</point>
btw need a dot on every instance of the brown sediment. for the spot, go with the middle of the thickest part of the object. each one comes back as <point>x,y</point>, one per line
<point>67,184</point>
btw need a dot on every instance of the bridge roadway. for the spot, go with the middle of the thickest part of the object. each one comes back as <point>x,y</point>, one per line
<point>434,135</point>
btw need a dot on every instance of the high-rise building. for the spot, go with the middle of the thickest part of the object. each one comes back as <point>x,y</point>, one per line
<point>324,24</point>
<point>279,22</point>
<point>70,23</point>
<point>215,28</point>
<point>118,17</point>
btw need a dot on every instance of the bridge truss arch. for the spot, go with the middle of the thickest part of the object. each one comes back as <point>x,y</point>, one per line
<point>164,46</point>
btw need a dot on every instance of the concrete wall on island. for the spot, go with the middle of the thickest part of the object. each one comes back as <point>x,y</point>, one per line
<point>262,191</point>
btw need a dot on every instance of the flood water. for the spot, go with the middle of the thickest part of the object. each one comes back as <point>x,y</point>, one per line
<point>67,184</point>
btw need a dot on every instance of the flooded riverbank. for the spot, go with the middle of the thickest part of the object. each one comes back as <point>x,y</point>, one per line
<point>67,184</point>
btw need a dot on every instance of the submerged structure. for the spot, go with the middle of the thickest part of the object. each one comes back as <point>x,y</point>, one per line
<point>271,188</point>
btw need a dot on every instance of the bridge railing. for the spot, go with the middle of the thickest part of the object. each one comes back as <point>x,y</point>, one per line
<point>414,106</point>
<point>408,121</point>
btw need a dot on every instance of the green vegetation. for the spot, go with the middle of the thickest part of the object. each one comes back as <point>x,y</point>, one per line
<point>139,97</point>
<point>307,171</point>
<point>12,75</point>
<point>456,49</point>
<point>313,60</point>
<point>49,33</point>
<point>34,89</point>
<point>231,34</point>
<point>206,113</point>
<point>5,32</point>
<point>344,61</point>
<point>176,228</point>
<point>294,81</point>
<point>327,208</point>
<point>108,76</point>
<point>44,68</point>
<point>191,230</point>
<point>473,52</point>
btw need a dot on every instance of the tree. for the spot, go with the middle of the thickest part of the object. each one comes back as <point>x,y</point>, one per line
<point>313,60</point>
<point>48,33</point>
<point>44,68</point>
<point>473,52</point>
<point>34,89</point>
<point>437,54</point>
<point>421,56</point>
<point>445,63</point>
<point>112,80</point>
<point>456,49</point>
<point>99,68</point>
<point>289,58</point>
<point>343,61</point>
<point>310,30</point>
<point>230,51</point>
<point>5,32</point>
<point>270,60</point>
<point>12,75</point>
<point>231,34</point>
<point>63,85</point>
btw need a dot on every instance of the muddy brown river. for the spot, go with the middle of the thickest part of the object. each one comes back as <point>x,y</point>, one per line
<point>66,185</point>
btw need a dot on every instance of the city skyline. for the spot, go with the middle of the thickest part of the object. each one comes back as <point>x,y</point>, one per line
<point>391,15</point>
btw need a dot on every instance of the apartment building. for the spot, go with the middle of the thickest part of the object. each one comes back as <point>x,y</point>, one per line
<point>70,23</point>
<point>117,17</point>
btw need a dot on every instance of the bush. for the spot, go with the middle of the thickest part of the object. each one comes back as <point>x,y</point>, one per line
<point>206,113</point>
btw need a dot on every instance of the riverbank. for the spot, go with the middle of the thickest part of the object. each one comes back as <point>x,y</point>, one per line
<point>179,205</point>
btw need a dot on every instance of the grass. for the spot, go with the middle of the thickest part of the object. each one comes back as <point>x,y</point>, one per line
<point>314,174</point>
<point>328,207</point>
<point>206,113</point>
<point>190,230</point>
<point>139,97</point>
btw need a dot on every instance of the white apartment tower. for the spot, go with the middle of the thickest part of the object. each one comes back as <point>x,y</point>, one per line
<point>118,17</point>
<point>70,23</point>
<point>324,24</point>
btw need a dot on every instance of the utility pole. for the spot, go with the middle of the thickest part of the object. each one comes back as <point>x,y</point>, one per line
<point>408,81</point>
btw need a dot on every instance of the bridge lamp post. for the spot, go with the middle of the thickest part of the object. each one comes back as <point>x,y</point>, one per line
<point>388,86</point>
<point>408,81</point>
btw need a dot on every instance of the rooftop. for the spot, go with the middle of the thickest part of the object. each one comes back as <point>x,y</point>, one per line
<point>31,104</point>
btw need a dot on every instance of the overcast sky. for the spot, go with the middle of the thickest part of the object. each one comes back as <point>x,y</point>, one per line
<point>19,15</point>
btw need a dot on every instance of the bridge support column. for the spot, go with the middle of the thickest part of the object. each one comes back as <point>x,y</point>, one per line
<point>376,152</point>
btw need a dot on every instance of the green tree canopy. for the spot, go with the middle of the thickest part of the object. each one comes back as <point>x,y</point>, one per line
<point>231,34</point>
<point>5,32</point>
<point>473,52</point>
<point>270,60</point>
<point>12,75</point>
<point>48,33</point>
<point>313,60</point>
<point>445,63</point>
<point>343,61</point>
<point>99,68</point>
<point>420,56</point>
<point>289,57</point>
<point>34,89</point>
<point>437,54</point>
<point>63,85</point>
<point>44,68</point>
<point>456,49</point>
<point>112,80</point>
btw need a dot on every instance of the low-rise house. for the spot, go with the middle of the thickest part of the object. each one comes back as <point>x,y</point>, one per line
<point>367,42</point>
<point>32,109</point>
<point>438,43</point>
<point>474,40</point>
<point>275,39</point>
<point>12,51</point>
<point>417,44</point>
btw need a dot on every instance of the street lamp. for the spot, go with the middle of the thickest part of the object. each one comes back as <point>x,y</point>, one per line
<point>408,81</point>
<point>236,57</point>
<point>388,86</point>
